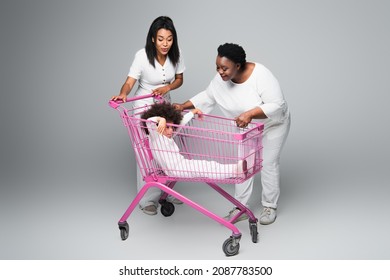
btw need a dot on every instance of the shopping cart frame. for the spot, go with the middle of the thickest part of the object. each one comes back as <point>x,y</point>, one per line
<point>231,245</point>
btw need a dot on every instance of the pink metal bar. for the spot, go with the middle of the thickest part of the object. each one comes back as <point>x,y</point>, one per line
<point>238,204</point>
<point>182,198</point>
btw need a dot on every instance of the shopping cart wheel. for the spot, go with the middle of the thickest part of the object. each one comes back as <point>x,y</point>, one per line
<point>124,229</point>
<point>253,230</point>
<point>231,247</point>
<point>167,208</point>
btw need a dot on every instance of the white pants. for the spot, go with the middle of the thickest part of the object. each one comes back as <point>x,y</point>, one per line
<point>274,138</point>
<point>202,168</point>
<point>190,168</point>
<point>151,196</point>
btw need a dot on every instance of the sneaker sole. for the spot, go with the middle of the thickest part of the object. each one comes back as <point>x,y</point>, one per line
<point>150,213</point>
<point>267,223</point>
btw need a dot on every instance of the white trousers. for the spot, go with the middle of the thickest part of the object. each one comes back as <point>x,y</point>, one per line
<point>274,138</point>
<point>189,168</point>
<point>200,168</point>
<point>151,196</point>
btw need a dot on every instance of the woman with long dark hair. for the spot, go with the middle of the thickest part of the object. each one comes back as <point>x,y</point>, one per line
<point>158,68</point>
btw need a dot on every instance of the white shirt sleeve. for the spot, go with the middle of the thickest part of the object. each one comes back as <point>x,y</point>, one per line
<point>205,100</point>
<point>274,105</point>
<point>186,118</point>
<point>180,67</point>
<point>152,128</point>
<point>136,67</point>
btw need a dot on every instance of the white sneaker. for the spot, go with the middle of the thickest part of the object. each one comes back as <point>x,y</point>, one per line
<point>174,200</point>
<point>233,213</point>
<point>150,209</point>
<point>268,216</point>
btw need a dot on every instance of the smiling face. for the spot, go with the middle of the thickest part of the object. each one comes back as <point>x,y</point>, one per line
<point>226,68</point>
<point>163,41</point>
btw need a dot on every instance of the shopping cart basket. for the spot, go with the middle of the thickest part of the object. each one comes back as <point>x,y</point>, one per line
<point>202,140</point>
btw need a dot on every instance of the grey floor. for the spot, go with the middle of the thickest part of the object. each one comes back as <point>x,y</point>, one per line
<point>323,214</point>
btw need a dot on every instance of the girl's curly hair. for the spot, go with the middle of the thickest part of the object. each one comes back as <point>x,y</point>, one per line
<point>164,110</point>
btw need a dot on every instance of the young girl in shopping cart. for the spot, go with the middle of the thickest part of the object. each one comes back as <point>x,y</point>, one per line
<point>162,123</point>
<point>171,148</point>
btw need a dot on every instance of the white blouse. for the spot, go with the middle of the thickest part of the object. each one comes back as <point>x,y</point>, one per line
<point>150,77</point>
<point>260,90</point>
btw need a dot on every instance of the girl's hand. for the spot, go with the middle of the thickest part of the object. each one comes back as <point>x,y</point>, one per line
<point>198,112</point>
<point>162,124</point>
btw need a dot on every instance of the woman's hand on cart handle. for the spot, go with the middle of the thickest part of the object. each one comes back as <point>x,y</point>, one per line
<point>161,91</point>
<point>117,99</point>
<point>243,120</point>
<point>122,97</point>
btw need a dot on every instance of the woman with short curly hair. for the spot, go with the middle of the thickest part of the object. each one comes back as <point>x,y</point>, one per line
<point>248,91</point>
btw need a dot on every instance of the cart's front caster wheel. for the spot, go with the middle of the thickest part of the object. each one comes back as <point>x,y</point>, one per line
<point>124,228</point>
<point>167,209</point>
<point>254,232</point>
<point>229,248</point>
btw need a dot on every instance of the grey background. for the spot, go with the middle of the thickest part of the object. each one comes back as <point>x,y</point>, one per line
<point>67,168</point>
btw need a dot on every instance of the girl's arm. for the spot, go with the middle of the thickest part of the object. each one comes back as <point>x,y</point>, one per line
<point>187,117</point>
<point>161,125</point>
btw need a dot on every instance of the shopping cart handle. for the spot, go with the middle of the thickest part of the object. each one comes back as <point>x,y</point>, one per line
<point>115,104</point>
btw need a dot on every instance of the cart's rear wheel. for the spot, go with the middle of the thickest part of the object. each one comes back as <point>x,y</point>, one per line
<point>229,248</point>
<point>124,230</point>
<point>254,232</point>
<point>167,209</point>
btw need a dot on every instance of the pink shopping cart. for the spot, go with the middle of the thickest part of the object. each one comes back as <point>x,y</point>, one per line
<point>209,148</point>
